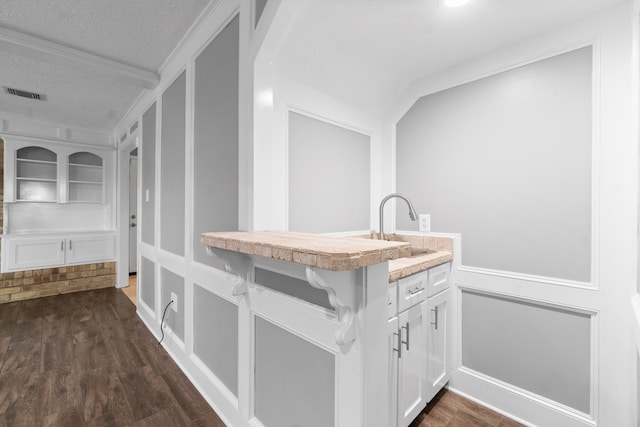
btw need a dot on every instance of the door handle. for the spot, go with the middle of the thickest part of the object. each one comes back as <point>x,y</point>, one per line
<point>133,224</point>
<point>435,310</point>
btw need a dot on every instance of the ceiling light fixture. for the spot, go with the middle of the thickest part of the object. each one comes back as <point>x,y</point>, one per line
<point>455,3</point>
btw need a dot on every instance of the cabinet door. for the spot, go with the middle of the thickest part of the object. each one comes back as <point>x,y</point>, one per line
<point>437,344</point>
<point>393,334</point>
<point>27,254</point>
<point>87,249</point>
<point>412,365</point>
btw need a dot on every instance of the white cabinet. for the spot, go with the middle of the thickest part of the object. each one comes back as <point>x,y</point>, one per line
<point>90,249</point>
<point>55,172</point>
<point>412,365</point>
<point>407,335</point>
<point>34,252</point>
<point>57,190</point>
<point>417,342</point>
<point>437,374</point>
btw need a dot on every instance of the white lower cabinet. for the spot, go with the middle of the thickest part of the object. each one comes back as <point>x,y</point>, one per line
<point>32,253</point>
<point>412,365</point>
<point>90,249</point>
<point>437,374</point>
<point>417,346</point>
<point>21,253</point>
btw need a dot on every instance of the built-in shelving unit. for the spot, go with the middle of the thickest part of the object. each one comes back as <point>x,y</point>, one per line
<point>86,177</point>
<point>36,175</point>
<point>58,204</point>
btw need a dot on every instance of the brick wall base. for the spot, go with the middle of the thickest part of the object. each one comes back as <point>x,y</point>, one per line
<point>30,284</point>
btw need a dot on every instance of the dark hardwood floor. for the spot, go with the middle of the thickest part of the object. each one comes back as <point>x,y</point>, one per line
<point>448,409</point>
<point>86,359</point>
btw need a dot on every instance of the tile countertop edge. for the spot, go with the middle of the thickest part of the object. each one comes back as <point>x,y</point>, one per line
<point>302,248</point>
<point>330,253</point>
<point>404,267</point>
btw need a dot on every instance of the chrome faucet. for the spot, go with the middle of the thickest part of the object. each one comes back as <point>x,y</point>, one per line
<point>412,212</point>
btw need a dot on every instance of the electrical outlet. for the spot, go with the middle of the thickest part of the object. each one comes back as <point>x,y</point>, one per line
<point>424,222</point>
<point>174,304</point>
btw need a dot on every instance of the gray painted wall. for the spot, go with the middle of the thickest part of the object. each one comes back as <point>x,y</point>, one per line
<point>329,177</point>
<point>171,282</point>
<point>294,379</point>
<point>506,162</point>
<point>296,288</point>
<point>541,349</point>
<point>148,166</point>
<point>216,139</point>
<point>147,283</point>
<point>215,330</point>
<point>172,175</point>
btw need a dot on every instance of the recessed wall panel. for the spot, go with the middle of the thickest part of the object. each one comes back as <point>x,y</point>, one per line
<point>148,175</point>
<point>506,161</point>
<point>146,283</point>
<point>172,174</point>
<point>541,349</point>
<point>329,177</point>
<point>294,379</point>
<point>215,329</point>
<point>216,139</point>
<point>292,286</point>
<point>171,282</point>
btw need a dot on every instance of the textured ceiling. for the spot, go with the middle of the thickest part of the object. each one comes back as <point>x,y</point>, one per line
<point>140,33</point>
<point>366,52</point>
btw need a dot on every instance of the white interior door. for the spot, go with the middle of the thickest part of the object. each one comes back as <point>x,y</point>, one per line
<point>133,214</point>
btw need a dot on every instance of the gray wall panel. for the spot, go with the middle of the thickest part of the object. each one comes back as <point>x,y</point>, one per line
<point>148,175</point>
<point>291,286</point>
<point>537,348</point>
<point>294,379</point>
<point>172,175</point>
<point>146,284</point>
<point>216,139</point>
<point>171,282</point>
<point>215,329</point>
<point>329,177</point>
<point>506,162</point>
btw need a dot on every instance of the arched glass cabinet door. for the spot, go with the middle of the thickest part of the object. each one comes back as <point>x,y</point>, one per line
<point>36,175</point>
<point>86,178</point>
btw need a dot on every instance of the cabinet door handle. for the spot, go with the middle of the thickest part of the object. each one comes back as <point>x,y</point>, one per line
<point>399,349</point>
<point>435,310</point>
<point>61,245</point>
<point>406,328</point>
<point>70,245</point>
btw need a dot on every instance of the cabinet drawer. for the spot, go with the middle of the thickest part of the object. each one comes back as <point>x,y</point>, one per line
<point>392,294</point>
<point>438,279</point>
<point>412,290</point>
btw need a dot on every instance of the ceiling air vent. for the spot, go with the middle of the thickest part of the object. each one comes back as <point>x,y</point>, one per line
<point>24,93</point>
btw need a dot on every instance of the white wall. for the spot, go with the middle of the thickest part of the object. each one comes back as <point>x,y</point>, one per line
<point>614,217</point>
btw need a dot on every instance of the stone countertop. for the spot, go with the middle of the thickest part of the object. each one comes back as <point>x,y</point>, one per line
<point>330,253</point>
